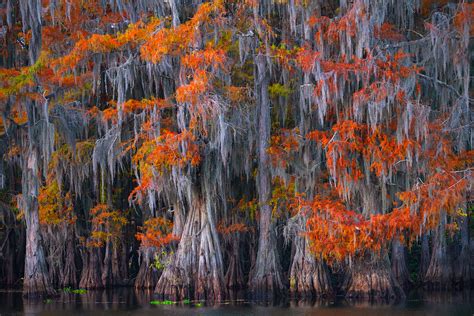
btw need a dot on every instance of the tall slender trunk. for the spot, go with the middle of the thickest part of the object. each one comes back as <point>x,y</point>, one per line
<point>112,273</point>
<point>107,277</point>
<point>266,276</point>
<point>69,272</point>
<point>36,279</point>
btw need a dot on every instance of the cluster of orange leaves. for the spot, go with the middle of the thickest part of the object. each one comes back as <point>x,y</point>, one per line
<point>128,107</point>
<point>103,43</point>
<point>337,232</point>
<point>232,228</point>
<point>388,31</point>
<point>107,225</point>
<point>159,154</point>
<point>349,140</point>
<point>54,208</point>
<point>156,232</point>
<point>282,145</point>
<point>176,41</point>
<point>200,67</point>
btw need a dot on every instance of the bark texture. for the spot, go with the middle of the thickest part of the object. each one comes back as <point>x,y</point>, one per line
<point>234,277</point>
<point>266,279</point>
<point>91,271</point>
<point>372,277</point>
<point>309,277</point>
<point>462,271</point>
<point>147,276</point>
<point>425,256</point>
<point>399,265</point>
<point>440,271</point>
<point>36,280</point>
<point>195,271</point>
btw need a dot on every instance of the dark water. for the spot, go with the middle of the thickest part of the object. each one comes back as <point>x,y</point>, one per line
<point>129,302</point>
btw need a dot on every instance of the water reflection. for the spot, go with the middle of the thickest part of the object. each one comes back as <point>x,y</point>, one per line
<point>127,301</point>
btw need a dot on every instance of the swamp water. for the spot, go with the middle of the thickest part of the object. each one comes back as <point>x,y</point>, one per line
<point>126,301</point>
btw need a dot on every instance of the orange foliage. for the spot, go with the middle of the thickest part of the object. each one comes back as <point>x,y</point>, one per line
<point>387,31</point>
<point>168,150</point>
<point>282,145</point>
<point>156,232</point>
<point>55,209</point>
<point>336,231</point>
<point>176,41</point>
<point>106,225</point>
<point>232,228</point>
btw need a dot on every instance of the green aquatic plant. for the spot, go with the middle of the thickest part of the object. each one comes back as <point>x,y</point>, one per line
<point>74,291</point>
<point>166,302</point>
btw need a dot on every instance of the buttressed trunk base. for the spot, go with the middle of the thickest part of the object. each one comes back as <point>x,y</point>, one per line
<point>372,277</point>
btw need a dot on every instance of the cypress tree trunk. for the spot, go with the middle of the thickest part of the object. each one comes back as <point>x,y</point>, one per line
<point>107,278</point>
<point>210,282</point>
<point>91,269</point>
<point>309,277</point>
<point>399,266</point>
<point>53,246</point>
<point>462,271</point>
<point>119,271</point>
<point>112,273</point>
<point>9,272</point>
<point>69,272</point>
<point>36,279</point>
<point>234,277</point>
<point>196,269</point>
<point>266,277</point>
<point>425,256</point>
<point>372,277</point>
<point>440,271</point>
<point>147,275</point>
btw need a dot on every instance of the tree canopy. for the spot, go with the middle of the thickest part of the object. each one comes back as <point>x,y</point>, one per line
<point>196,146</point>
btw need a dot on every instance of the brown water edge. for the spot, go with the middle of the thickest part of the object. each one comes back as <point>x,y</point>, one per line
<point>139,302</point>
